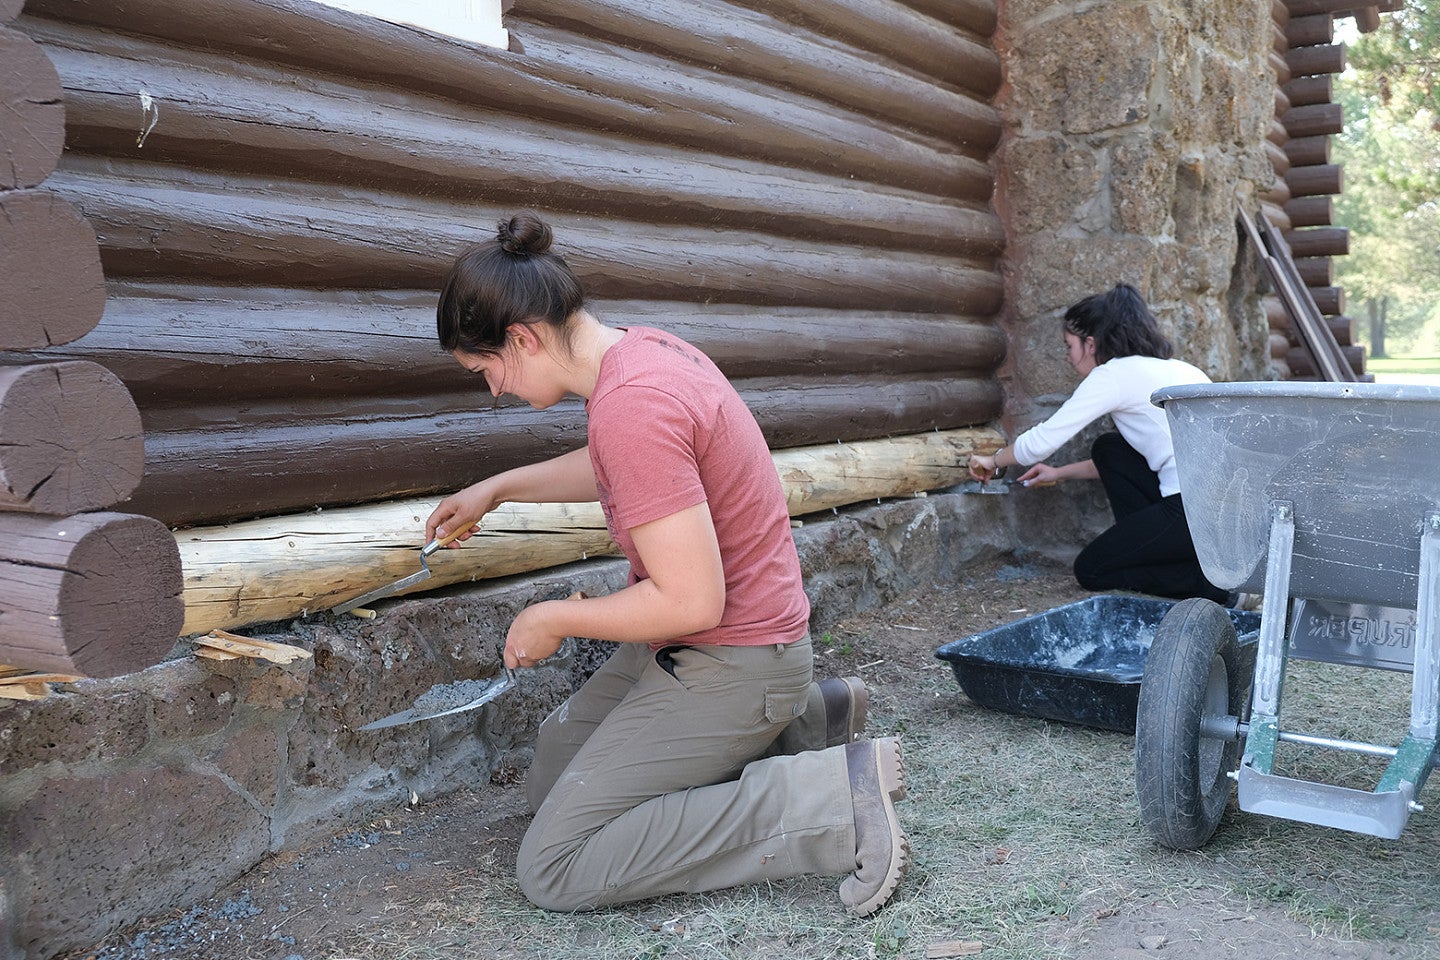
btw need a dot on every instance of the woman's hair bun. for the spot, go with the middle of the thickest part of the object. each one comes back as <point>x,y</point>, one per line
<point>524,235</point>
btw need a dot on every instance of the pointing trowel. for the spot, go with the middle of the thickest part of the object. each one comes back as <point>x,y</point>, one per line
<point>389,590</point>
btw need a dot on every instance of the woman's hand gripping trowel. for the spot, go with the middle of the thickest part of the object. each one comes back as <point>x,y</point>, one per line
<point>443,699</point>
<point>389,590</point>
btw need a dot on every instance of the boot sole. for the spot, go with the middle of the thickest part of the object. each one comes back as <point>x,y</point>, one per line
<point>890,771</point>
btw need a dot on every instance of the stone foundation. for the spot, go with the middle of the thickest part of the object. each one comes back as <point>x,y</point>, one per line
<point>128,797</point>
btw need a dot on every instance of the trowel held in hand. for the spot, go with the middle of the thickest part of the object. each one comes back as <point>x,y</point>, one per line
<point>389,590</point>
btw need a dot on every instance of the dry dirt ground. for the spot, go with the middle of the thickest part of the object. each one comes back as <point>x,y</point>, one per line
<point>1038,859</point>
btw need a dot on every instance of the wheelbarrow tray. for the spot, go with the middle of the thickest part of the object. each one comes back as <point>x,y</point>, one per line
<point>1080,663</point>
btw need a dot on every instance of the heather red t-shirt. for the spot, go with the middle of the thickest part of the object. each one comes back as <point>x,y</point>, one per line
<point>668,431</point>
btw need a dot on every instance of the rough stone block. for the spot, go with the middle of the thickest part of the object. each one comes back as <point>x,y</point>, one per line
<point>1142,182</point>
<point>1058,270</point>
<point>1051,182</point>
<point>71,728</point>
<point>96,853</point>
<point>251,758</point>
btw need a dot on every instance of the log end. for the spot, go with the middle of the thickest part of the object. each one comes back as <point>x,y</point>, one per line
<point>32,112</point>
<point>52,287</point>
<point>101,596</point>
<point>70,438</point>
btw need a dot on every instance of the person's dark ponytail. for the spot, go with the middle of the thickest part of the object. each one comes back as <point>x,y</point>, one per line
<point>514,278</point>
<point>1121,324</point>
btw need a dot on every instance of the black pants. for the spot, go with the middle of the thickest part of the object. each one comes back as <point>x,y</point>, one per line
<point>1149,549</point>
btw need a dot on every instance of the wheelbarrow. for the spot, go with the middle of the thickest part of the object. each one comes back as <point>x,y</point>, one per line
<point>1326,498</point>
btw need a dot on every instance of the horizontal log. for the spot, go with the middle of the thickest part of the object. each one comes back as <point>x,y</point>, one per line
<point>977,16</point>
<point>185,345</point>
<point>1329,300</point>
<point>1314,271</point>
<point>1319,242</point>
<point>162,223</point>
<point>1314,181</point>
<point>1279,13</point>
<point>32,117</point>
<point>1282,102</point>
<point>1343,329</point>
<point>218,463</point>
<point>1272,206</point>
<point>1279,42</point>
<point>267,570</point>
<point>1310,211</point>
<point>720,36</point>
<point>1309,151</point>
<point>1300,363</point>
<point>586,84</point>
<point>1305,91</point>
<point>1279,345</point>
<point>219,114</point>
<point>1325,58</point>
<point>52,288</point>
<point>1306,8</point>
<point>1277,133</point>
<point>1314,119</point>
<point>69,438</point>
<point>97,594</point>
<point>898,33</point>
<point>1279,67</point>
<point>1310,30</point>
<point>1279,160</point>
<point>1275,314</point>
<point>1367,19</point>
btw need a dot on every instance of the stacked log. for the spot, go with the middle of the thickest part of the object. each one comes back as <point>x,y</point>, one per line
<point>802,190</point>
<point>1306,179</point>
<point>83,593</point>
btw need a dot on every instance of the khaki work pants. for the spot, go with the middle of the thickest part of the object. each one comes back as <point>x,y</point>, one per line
<point>647,783</point>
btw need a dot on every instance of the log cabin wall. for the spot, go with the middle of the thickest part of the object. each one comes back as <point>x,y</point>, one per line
<point>802,189</point>
<point>1305,60</point>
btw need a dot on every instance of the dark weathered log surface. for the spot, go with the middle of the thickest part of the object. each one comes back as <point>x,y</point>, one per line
<point>1279,159</point>
<point>1320,242</point>
<point>560,77</point>
<point>32,118</point>
<point>1310,211</point>
<point>52,289</point>
<point>1300,361</point>
<point>1367,19</point>
<point>178,345</point>
<point>1308,151</point>
<point>225,113</point>
<point>977,16</point>
<point>1316,180</point>
<point>161,223</point>
<point>69,438</point>
<point>904,36</point>
<point>1325,58</point>
<point>1314,271</point>
<point>1280,68</point>
<point>1314,119</point>
<point>1329,300</point>
<point>97,594</point>
<point>1304,91</point>
<point>743,43</point>
<point>1310,30</point>
<point>1344,330</point>
<point>292,456</point>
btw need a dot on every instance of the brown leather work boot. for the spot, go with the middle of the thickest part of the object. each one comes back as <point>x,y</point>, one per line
<point>882,853</point>
<point>846,705</point>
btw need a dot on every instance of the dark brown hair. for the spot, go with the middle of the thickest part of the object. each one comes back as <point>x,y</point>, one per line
<point>512,279</point>
<point>1121,324</point>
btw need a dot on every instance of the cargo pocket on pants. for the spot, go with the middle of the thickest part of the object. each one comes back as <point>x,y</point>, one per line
<point>785,703</point>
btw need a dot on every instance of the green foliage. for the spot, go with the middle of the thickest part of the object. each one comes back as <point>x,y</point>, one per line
<point>1391,154</point>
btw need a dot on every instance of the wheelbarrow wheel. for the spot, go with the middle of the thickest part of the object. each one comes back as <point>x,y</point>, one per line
<point>1194,670</point>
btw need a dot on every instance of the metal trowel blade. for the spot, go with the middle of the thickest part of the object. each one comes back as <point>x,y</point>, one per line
<point>414,715</point>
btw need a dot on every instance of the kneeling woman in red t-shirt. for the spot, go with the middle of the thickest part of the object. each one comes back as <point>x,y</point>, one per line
<point>681,764</point>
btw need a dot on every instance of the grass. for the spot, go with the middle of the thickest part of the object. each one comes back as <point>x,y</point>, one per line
<point>1023,831</point>
<point>1425,370</point>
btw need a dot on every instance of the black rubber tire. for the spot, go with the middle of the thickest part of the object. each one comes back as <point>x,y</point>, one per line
<point>1180,776</point>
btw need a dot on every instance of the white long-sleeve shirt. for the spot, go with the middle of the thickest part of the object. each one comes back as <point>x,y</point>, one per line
<point>1121,388</point>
